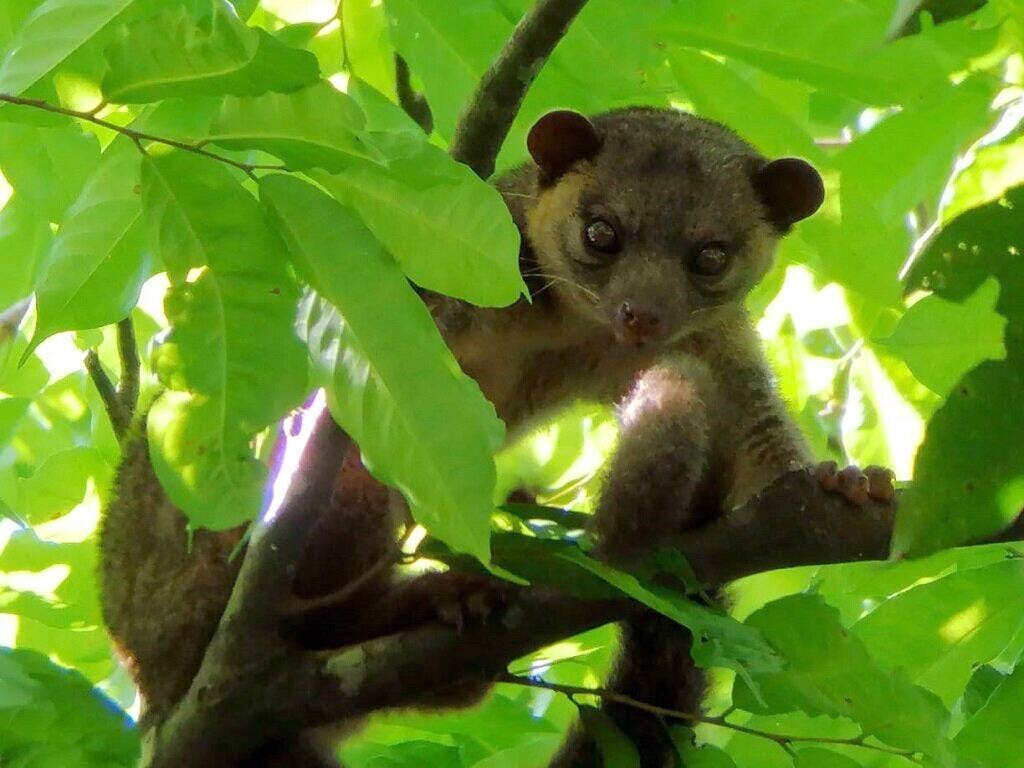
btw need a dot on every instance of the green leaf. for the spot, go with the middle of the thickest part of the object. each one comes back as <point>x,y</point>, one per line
<point>405,754</point>
<point>617,751</point>
<point>170,55</point>
<point>984,682</point>
<point>97,265</point>
<point>969,472</point>
<point>536,750</point>
<point>57,600</point>
<point>704,756</point>
<point>993,736</point>
<point>12,15</point>
<point>316,127</point>
<point>232,360</point>
<point>451,232</point>
<point>719,639</point>
<point>450,46</point>
<point>906,19</point>
<point>55,30</point>
<point>968,475</point>
<point>939,632</point>
<point>718,92</point>
<point>994,170</point>
<point>51,710</point>
<point>434,37</point>
<point>391,382</point>
<point>823,758</point>
<point>24,238</point>
<point>941,340</point>
<point>906,158</point>
<point>835,47</point>
<point>61,482</point>
<point>47,166</point>
<point>829,672</point>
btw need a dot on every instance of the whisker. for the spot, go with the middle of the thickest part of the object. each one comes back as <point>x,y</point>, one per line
<point>552,279</point>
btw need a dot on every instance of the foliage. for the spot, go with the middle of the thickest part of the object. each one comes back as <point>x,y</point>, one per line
<point>262,242</point>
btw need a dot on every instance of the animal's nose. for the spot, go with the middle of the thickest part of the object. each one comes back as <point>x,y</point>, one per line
<point>635,323</point>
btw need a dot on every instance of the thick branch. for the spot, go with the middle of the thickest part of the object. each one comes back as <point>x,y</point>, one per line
<point>484,124</point>
<point>309,456</point>
<point>127,347</point>
<point>793,523</point>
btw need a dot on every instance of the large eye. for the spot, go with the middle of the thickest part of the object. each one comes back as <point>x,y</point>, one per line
<point>601,236</point>
<point>710,260</point>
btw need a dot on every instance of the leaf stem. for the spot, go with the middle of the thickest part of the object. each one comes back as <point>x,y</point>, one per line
<point>139,136</point>
<point>783,740</point>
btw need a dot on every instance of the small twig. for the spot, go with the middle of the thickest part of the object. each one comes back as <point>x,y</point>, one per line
<point>346,62</point>
<point>119,420</point>
<point>128,391</point>
<point>484,124</point>
<point>414,103</point>
<point>138,137</point>
<point>11,318</point>
<point>783,740</point>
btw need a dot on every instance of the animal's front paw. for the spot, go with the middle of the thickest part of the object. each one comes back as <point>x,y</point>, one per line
<point>859,486</point>
<point>466,598</point>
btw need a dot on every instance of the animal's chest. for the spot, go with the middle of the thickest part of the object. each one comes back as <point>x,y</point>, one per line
<point>527,375</point>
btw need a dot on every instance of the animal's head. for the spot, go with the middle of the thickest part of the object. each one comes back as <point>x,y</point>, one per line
<point>649,221</point>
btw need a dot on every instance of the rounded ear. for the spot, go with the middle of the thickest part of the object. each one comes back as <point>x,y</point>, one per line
<point>560,139</point>
<point>791,190</point>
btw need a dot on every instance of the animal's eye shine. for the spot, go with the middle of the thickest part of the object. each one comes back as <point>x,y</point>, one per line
<point>709,261</point>
<point>601,236</point>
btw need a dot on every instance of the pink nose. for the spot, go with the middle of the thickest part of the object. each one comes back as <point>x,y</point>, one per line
<point>637,324</point>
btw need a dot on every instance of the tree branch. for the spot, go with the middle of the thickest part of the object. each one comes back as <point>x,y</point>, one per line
<point>310,451</point>
<point>484,124</point>
<point>119,418</point>
<point>138,136</point>
<point>127,348</point>
<point>719,721</point>
<point>253,687</point>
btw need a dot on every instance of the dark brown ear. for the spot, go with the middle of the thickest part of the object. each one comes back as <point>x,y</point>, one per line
<point>560,139</point>
<point>790,189</point>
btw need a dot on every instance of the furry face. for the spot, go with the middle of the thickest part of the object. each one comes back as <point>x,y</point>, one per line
<point>662,223</point>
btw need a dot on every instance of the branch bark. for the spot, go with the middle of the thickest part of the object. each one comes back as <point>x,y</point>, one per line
<point>252,686</point>
<point>484,124</point>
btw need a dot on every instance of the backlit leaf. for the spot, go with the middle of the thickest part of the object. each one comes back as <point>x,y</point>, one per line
<point>391,383</point>
<point>231,361</point>
<point>170,55</point>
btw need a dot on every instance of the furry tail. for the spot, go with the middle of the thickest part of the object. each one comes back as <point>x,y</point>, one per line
<point>654,666</point>
<point>163,591</point>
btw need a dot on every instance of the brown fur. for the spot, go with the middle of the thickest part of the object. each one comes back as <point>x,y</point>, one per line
<point>149,563</point>
<point>702,426</point>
